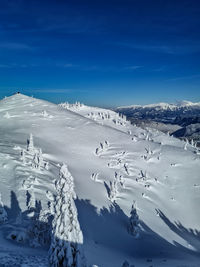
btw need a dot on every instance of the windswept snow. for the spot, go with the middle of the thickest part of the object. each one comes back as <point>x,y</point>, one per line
<point>113,164</point>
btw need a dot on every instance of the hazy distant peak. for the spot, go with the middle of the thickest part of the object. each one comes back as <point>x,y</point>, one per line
<point>163,105</point>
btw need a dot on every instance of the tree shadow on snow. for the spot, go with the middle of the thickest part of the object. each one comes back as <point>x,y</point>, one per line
<point>191,236</point>
<point>108,227</point>
<point>14,209</point>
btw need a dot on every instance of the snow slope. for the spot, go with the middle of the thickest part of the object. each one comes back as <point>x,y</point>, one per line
<point>102,116</point>
<point>159,172</point>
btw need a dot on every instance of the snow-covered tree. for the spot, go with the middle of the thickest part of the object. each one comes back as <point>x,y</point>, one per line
<point>192,142</point>
<point>30,144</point>
<point>38,160</point>
<point>23,156</point>
<point>46,165</point>
<point>185,145</point>
<point>35,162</point>
<point>133,227</point>
<point>113,190</point>
<point>44,113</point>
<point>3,213</point>
<point>39,230</point>
<point>119,179</point>
<point>7,115</point>
<point>67,238</point>
<point>30,200</point>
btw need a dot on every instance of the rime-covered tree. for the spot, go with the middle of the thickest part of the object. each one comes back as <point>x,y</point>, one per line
<point>133,227</point>
<point>35,162</point>
<point>113,190</point>
<point>3,213</point>
<point>40,159</point>
<point>7,115</point>
<point>39,230</point>
<point>67,238</point>
<point>30,200</point>
<point>30,144</point>
<point>38,162</point>
<point>23,156</point>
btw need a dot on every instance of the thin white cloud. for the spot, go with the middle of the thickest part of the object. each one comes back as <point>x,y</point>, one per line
<point>185,77</point>
<point>16,65</point>
<point>106,68</point>
<point>15,46</point>
<point>55,90</point>
<point>133,67</point>
<point>179,49</point>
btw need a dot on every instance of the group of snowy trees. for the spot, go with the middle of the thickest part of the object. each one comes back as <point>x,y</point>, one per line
<point>192,143</point>
<point>99,115</point>
<point>117,182</point>
<point>118,119</point>
<point>102,147</point>
<point>37,161</point>
<point>73,106</point>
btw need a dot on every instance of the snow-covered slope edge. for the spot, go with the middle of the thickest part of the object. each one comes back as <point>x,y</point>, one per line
<point>159,172</point>
<point>102,116</point>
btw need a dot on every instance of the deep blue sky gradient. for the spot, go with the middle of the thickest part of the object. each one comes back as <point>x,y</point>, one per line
<point>105,53</point>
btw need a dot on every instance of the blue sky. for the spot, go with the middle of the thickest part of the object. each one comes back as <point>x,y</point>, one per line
<point>107,53</point>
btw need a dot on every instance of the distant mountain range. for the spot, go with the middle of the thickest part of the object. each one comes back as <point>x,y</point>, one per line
<point>178,117</point>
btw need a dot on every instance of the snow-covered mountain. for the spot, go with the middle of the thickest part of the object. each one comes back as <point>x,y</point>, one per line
<point>168,117</point>
<point>163,106</point>
<point>162,111</point>
<point>72,185</point>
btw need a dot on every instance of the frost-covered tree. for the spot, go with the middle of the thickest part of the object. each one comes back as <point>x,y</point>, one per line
<point>133,227</point>
<point>44,113</point>
<point>30,144</point>
<point>3,213</point>
<point>23,156</point>
<point>7,115</point>
<point>46,165</point>
<point>185,145</point>
<point>106,144</point>
<point>39,230</point>
<point>119,179</point>
<point>35,162</point>
<point>113,190</point>
<point>192,142</point>
<point>30,200</point>
<point>67,238</point>
<point>38,161</point>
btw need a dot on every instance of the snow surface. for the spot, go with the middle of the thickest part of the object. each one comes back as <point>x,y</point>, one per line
<point>157,171</point>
